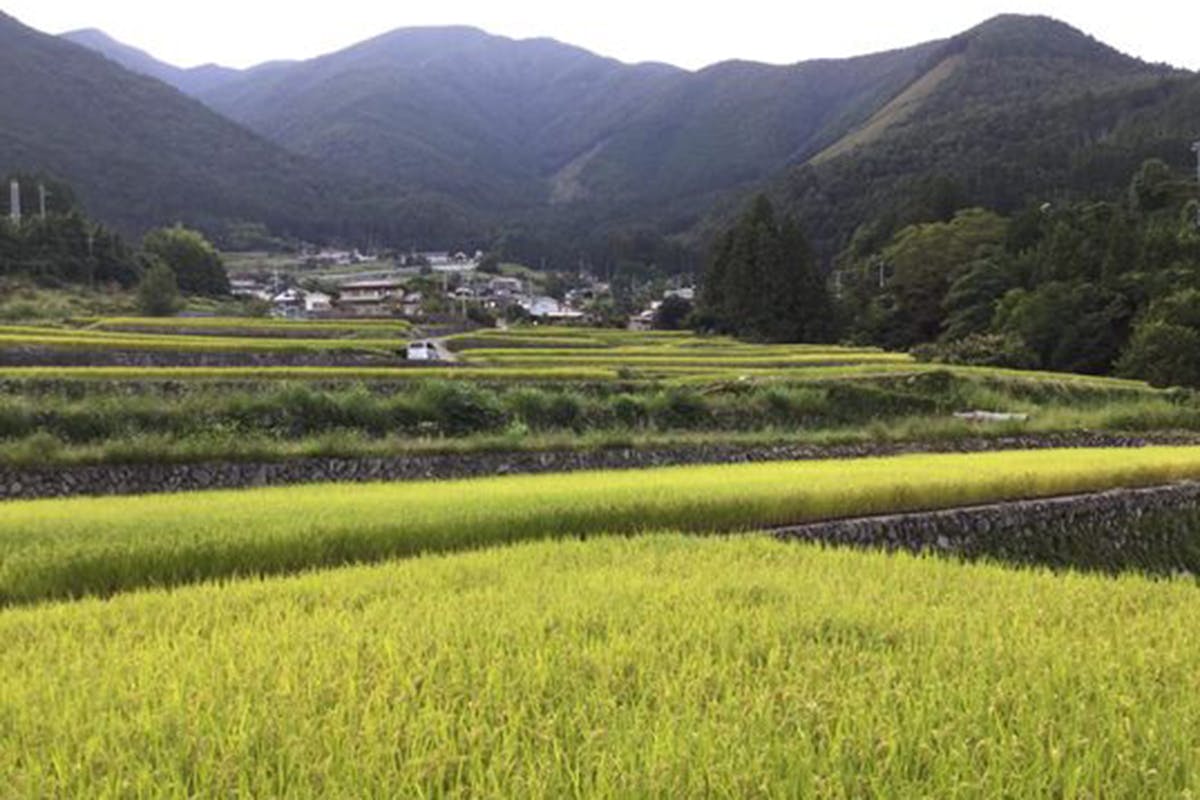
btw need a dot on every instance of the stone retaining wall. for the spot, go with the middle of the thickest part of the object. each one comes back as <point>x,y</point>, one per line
<point>113,479</point>
<point>1156,530</point>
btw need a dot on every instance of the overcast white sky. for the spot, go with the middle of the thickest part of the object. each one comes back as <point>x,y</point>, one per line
<point>240,33</point>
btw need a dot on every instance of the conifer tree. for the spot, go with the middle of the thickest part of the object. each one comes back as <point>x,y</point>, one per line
<point>762,283</point>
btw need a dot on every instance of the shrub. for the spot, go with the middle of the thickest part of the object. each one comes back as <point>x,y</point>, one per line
<point>1164,354</point>
<point>679,408</point>
<point>16,418</point>
<point>630,410</point>
<point>542,410</point>
<point>792,405</point>
<point>981,350</point>
<point>850,403</point>
<point>157,292</point>
<point>459,409</point>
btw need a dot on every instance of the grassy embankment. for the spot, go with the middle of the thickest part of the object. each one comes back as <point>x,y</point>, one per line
<point>69,548</point>
<point>59,421</point>
<point>24,301</point>
<point>660,666</point>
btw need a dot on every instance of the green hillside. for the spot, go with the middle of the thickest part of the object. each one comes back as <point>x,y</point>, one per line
<point>1018,110</point>
<point>558,152</point>
<point>138,153</point>
<point>446,109</point>
<point>530,124</point>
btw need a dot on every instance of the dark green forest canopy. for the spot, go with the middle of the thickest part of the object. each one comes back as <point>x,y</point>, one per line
<point>762,281</point>
<point>57,245</point>
<point>1090,286</point>
<point>62,247</point>
<point>1026,115</point>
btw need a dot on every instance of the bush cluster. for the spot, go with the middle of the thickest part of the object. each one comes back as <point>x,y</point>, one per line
<point>78,415</point>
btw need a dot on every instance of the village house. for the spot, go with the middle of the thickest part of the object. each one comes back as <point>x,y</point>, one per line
<point>644,321</point>
<point>317,303</point>
<point>249,289</point>
<point>370,298</point>
<point>341,258</point>
<point>505,287</point>
<point>549,309</point>
<point>411,305</point>
<point>288,303</point>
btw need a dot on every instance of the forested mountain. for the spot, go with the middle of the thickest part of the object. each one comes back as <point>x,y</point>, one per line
<point>134,149</point>
<point>448,109</point>
<point>1018,110</point>
<point>190,81</point>
<point>556,152</point>
<point>537,124</point>
<point>138,153</point>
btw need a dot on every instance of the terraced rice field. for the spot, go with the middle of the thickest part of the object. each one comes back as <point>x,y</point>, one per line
<point>580,651</point>
<point>87,339</point>
<point>349,375</point>
<point>633,350</point>
<point>662,666</point>
<point>534,354</point>
<point>249,326</point>
<point>68,548</point>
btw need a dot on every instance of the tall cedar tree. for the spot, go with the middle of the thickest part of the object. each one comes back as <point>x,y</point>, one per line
<point>762,282</point>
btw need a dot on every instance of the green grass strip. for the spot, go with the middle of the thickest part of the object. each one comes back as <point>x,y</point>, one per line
<point>69,548</point>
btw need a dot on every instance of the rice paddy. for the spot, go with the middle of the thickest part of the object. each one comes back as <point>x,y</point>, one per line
<point>178,343</point>
<point>503,356</point>
<point>578,651</point>
<point>82,546</point>
<point>663,666</point>
<point>243,326</point>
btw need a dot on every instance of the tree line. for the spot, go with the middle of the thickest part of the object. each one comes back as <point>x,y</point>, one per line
<point>64,247</point>
<point>1098,287</point>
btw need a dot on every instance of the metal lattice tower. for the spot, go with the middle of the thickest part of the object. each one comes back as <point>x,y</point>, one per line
<point>14,201</point>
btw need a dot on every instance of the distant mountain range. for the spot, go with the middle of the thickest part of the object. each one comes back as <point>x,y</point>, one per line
<point>193,81</point>
<point>136,150</point>
<point>440,133</point>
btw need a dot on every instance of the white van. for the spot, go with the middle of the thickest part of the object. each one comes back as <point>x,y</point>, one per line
<point>422,351</point>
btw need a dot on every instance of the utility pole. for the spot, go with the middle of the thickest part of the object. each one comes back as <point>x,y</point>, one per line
<point>42,200</point>
<point>14,201</point>
<point>1196,150</point>
<point>91,259</point>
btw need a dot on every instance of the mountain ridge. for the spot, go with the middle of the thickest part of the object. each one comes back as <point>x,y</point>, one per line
<point>568,148</point>
<point>140,153</point>
<point>189,80</point>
